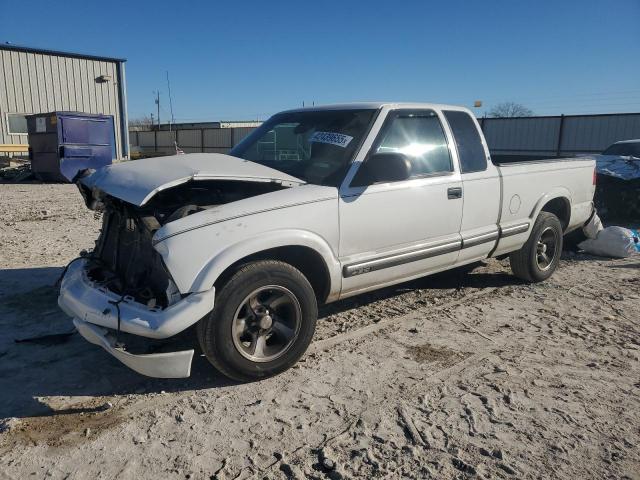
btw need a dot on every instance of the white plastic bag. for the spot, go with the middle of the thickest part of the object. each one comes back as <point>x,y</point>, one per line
<point>593,226</point>
<point>614,242</point>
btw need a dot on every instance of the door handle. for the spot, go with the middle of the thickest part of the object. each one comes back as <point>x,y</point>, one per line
<point>454,192</point>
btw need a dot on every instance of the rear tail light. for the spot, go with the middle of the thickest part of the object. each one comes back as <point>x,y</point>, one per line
<point>595,177</point>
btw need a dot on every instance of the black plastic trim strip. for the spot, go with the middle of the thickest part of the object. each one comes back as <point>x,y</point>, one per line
<point>400,258</point>
<point>428,252</point>
<point>514,229</point>
<point>480,239</point>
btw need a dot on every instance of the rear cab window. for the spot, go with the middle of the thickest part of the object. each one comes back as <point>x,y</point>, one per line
<point>467,137</point>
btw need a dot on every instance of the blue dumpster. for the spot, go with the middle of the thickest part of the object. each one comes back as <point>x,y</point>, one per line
<point>63,143</point>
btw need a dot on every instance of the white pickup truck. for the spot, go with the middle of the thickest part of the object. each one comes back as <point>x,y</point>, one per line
<point>316,205</point>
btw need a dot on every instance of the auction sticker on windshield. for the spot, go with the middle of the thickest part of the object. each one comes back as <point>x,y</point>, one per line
<point>331,138</point>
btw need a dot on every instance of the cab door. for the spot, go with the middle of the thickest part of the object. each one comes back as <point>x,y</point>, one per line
<point>481,186</point>
<point>393,231</point>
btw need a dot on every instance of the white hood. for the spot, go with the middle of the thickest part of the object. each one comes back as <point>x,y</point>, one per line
<point>137,181</point>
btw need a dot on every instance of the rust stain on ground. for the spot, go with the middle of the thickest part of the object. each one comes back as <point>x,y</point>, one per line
<point>429,354</point>
<point>62,428</point>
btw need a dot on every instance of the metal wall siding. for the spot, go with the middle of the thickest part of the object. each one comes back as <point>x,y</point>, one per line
<point>102,94</point>
<point>115,95</point>
<point>19,88</point>
<point>241,132</point>
<point>71,83</point>
<point>62,81</point>
<point>79,84</point>
<point>6,81</point>
<point>43,85</point>
<point>166,139</point>
<point>539,135</point>
<point>189,139</point>
<point>146,139</point>
<point>596,133</point>
<point>32,82</point>
<point>217,138</point>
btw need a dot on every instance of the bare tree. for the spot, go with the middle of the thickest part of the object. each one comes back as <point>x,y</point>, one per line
<point>510,109</point>
<point>141,123</point>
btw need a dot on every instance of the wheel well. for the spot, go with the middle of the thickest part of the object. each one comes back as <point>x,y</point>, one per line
<point>305,259</point>
<point>561,208</point>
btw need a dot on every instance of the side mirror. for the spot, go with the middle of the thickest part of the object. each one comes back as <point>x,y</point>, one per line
<point>388,167</point>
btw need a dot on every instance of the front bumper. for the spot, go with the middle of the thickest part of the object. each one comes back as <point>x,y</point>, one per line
<point>83,299</point>
<point>93,316</point>
<point>159,365</point>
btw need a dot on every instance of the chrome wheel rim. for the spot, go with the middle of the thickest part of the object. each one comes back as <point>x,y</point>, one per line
<point>546,248</point>
<point>266,323</point>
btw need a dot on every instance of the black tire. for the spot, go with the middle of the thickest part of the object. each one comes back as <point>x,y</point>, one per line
<point>218,333</point>
<point>572,239</point>
<point>527,263</point>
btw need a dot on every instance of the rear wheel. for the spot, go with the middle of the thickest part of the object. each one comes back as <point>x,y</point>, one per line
<point>262,323</point>
<point>539,257</point>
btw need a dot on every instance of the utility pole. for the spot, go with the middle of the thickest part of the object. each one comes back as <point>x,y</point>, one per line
<point>171,121</point>
<point>158,106</point>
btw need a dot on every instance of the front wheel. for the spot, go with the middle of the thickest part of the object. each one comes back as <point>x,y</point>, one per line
<point>263,321</point>
<point>539,257</point>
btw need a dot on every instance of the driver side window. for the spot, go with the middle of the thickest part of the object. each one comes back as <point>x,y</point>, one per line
<point>419,136</point>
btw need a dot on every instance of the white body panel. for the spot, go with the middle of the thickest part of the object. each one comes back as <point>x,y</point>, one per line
<point>397,218</point>
<point>480,215</point>
<point>198,248</point>
<point>528,186</point>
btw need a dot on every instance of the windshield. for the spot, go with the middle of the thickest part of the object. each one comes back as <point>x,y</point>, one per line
<point>624,149</point>
<point>315,146</point>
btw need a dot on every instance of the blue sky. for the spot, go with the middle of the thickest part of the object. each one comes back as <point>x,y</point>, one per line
<point>249,59</point>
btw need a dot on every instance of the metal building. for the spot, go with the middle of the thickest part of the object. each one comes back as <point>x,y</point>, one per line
<point>40,81</point>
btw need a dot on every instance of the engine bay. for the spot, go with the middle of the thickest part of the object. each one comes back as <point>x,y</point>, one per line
<point>124,260</point>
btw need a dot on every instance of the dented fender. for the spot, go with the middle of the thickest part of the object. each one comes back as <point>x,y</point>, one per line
<point>215,262</point>
<point>197,249</point>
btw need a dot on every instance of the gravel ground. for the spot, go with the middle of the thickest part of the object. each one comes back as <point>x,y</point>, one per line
<point>452,376</point>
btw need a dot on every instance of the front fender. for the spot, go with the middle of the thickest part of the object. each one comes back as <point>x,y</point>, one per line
<point>266,241</point>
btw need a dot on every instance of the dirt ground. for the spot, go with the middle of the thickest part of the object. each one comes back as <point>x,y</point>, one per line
<point>453,376</point>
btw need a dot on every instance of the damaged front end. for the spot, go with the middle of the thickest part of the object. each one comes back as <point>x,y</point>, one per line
<point>123,286</point>
<point>124,260</point>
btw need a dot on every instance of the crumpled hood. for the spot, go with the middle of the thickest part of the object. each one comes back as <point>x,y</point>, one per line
<point>137,181</point>
<point>262,204</point>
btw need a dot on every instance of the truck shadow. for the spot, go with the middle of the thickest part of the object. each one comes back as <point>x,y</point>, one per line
<point>468,276</point>
<point>42,356</point>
